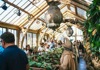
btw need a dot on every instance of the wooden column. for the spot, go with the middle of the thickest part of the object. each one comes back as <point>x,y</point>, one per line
<point>25,30</point>
<point>18,38</point>
<point>37,41</point>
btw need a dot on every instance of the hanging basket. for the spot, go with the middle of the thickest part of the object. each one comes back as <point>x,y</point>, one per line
<point>54,14</point>
<point>53,26</point>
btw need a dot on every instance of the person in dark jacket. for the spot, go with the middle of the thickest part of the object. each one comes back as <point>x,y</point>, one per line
<point>12,58</point>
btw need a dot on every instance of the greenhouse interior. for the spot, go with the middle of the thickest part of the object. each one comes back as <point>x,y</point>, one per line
<point>49,34</point>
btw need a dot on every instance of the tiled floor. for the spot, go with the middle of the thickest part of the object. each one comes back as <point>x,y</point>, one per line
<point>82,64</point>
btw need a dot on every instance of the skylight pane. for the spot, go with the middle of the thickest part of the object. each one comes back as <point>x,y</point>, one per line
<point>11,18</point>
<point>21,19</point>
<point>1,3</point>
<point>89,1</point>
<point>17,1</point>
<point>72,8</point>
<point>41,1</point>
<point>36,25</point>
<point>43,16</point>
<point>1,10</point>
<point>64,9</point>
<point>81,12</point>
<point>17,18</point>
<point>12,0</point>
<point>7,14</point>
<point>29,7</point>
<point>25,4</point>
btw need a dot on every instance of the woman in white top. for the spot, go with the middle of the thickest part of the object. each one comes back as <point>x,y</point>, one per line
<point>41,48</point>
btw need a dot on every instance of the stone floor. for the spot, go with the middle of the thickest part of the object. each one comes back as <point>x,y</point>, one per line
<point>82,64</point>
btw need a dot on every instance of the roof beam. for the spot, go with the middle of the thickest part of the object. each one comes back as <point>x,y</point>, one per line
<point>39,13</point>
<point>79,5</point>
<point>16,7</point>
<point>7,25</point>
<point>10,26</point>
<point>82,2</point>
<point>20,9</point>
<point>76,16</point>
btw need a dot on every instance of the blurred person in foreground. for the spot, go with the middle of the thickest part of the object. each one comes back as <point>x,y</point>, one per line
<point>12,58</point>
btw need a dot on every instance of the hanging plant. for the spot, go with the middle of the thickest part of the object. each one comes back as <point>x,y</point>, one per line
<point>53,16</point>
<point>92,25</point>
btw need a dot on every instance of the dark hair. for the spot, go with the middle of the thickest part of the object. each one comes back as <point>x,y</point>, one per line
<point>8,37</point>
<point>27,45</point>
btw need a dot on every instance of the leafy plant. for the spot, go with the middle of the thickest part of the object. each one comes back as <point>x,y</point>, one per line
<point>46,60</point>
<point>92,25</point>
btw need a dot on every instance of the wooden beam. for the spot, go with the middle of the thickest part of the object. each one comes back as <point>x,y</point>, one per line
<point>76,16</point>
<point>8,25</point>
<point>68,6</point>
<point>36,15</point>
<point>39,13</point>
<point>76,10</point>
<point>16,6</point>
<point>82,2</point>
<point>33,31</point>
<point>79,5</point>
<point>21,9</point>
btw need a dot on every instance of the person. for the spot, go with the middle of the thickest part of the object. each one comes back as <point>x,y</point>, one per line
<point>41,48</point>
<point>1,49</point>
<point>52,44</point>
<point>13,57</point>
<point>2,66</point>
<point>46,47</point>
<point>81,49</point>
<point>59,44</point>
<point>28,50</point>
<point>67,61</point>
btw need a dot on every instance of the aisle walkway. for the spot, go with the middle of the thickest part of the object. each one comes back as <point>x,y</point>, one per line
<point>82,64</point>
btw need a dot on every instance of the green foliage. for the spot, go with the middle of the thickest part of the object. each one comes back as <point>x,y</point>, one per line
<point>93,23</point>
<point>47,59</point>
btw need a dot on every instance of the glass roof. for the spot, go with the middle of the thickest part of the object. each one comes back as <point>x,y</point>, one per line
<point>81,12</point>
<point>19,11</point>
<point>72,8</point>
<point>89,1</point>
